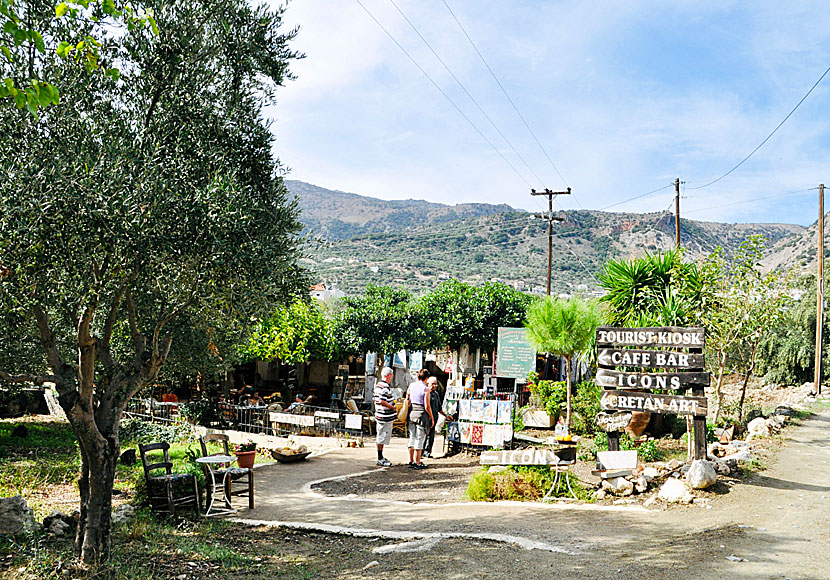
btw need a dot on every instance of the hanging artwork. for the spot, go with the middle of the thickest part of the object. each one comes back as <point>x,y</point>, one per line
<point>491,410</point>
<point>477,411</point>
<point>491,436</point>
<point>453,433</point>
<point>416,360</point>
<point>464,411</point>
<point>477,435</point>
<point>399,360</point>
<point>505,414</point>
<point>466,432</point>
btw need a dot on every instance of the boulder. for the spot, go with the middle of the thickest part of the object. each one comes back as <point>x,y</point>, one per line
<point>122,514</point>
<point>16,517</point>
<point>739,455</point>
<point>58,523</point>
<point>675,491</point>
<point>618,486</point>
<point>785,411</point>
<point>758,427</point>
<point>673,464</point>
<point>723,468</point>
<point>650,473</point>
<point>640,484</point>
<point>701,474</point>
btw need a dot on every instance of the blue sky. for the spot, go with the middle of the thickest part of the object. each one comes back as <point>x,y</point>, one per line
<point>624,97</point>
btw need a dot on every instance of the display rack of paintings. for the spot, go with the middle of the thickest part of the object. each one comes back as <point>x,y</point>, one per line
<point>480,422</point>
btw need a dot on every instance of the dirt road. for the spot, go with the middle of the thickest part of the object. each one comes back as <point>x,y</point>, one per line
<point>771,526</point>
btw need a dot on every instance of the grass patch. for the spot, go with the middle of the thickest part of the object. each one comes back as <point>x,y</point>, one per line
<point>523,483</point>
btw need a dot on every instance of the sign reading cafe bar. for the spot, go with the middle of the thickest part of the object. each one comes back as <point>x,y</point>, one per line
<point>629,370</point>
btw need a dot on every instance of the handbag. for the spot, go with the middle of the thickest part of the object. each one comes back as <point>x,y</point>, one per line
<point>403,413</point>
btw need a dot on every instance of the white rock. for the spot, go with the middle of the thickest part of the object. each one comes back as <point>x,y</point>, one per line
<point>742,455</point>
<point>618,486</point>
<point>723,468</point>
<point>497,468</point>
<point>701,474</point>
<point>650,473</point>
<point>758,427</point>
<point>675,491</point>
<point>650,501</point>
<point>58,527</point>
<point>371,564</point>
<point>641,484</point>
<point>673,464</point>
<point>601,494</point>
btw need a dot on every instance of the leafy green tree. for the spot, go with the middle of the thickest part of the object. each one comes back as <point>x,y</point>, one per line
<point>564,328</point>
<point>749,305</point>
<point>139,199</point>
<point>296,334</point>
<point>462,314</point>
<point>383,320</point>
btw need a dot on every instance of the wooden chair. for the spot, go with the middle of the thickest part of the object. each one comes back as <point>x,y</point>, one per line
<point>240,477</point>
<point>397,424</point>
<point>161,488</point>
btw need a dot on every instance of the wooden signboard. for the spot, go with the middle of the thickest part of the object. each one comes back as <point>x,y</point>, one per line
<point>666,404</point>
<point>653,359</point>
<point>670,381</point>
<point>521,457</point>
<point>678,350</point>
<point>662,336</point>
<point>516,357</point>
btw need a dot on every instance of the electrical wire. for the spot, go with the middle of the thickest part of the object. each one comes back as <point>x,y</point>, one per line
<point>768,136</point>
<point>445,95</point>
<point>507,96</point>
<point>637,197</point>
<point>749,200</point>
<point>466,92</point>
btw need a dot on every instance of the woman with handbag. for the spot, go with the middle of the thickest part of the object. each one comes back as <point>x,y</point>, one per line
<point>420,418</point>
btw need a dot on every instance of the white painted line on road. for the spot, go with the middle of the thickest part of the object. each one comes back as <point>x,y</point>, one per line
<point>524,543</point>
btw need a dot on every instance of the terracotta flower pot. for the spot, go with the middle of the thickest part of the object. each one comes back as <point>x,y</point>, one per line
<point>246,459</point>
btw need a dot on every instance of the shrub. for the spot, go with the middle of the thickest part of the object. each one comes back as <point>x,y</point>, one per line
<point>550,395</point>
<point>647,451</point>
<point>139,431</point>
<point>521,483</point>
<point>202,412</point>
<point>480,487</point>
<point>585,408</point>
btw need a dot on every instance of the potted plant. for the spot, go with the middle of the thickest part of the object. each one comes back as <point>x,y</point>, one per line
<point>246,454</point>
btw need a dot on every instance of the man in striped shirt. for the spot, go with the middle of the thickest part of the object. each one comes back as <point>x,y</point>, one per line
<point>385,413</point>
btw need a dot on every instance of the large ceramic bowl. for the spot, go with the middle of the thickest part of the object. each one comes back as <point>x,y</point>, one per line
<point>282,458</point>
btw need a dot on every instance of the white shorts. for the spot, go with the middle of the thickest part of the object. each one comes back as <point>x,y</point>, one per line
<point>417,434</point>
<point>384,435</point>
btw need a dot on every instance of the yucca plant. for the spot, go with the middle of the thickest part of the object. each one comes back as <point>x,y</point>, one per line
<point>564,328</point>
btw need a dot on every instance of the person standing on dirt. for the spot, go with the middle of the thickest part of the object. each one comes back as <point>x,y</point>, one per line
<point>435,405</point>
<point>385,413</point>
<point>420,418</point>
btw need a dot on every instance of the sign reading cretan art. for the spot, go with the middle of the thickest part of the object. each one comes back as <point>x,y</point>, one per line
<point>666,404</point>
<point>663,336</point>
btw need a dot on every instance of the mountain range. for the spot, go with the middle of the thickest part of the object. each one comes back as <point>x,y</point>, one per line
<point>360,240</point>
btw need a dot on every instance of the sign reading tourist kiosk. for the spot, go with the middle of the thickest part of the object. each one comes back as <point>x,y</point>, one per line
<point>629,370</point>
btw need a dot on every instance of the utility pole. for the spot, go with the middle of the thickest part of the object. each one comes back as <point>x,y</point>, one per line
<point>677,213</point>
<point>550,217</point>
<point>820,286</point>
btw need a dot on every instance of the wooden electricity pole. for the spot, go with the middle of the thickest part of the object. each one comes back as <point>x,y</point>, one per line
<point>677,213</point>
<point>550,217</point>
<point>819,286</point>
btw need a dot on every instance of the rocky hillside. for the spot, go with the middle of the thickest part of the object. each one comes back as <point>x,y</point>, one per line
<point>389,242</point>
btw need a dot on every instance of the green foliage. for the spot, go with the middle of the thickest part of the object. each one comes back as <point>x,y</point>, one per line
<point>463,314</point>
<point>383,320</point>
<point>647,451</point>
<point>550,395</point>
<point>201,412</point>
<point>655,290</point>
<point>585,408</point>
<point>521,483</point>
<point>562,327</point>
<point>296,334</point>
<point>786,354</point>
<point>138,431</point>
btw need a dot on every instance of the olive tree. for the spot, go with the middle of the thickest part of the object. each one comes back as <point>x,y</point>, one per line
<point>143,197</point>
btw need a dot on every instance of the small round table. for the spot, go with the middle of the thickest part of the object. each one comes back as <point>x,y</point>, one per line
<point>211,461</point>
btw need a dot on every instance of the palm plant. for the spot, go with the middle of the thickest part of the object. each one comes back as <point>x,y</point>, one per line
<point>564,328</point>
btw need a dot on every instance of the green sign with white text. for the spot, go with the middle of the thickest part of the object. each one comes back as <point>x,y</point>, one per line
<point>515,357</point>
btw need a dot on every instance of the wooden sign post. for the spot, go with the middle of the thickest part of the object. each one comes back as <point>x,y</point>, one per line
<point>622,356</point>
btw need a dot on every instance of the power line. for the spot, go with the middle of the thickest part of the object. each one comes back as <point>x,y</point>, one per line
<point>510,100</point>
<point>637,197</point>
<point>750,200</point>
<point>445,95</point>
<point>463,88</point>
<point>768,136</point>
